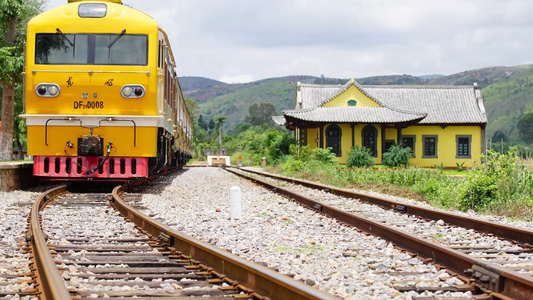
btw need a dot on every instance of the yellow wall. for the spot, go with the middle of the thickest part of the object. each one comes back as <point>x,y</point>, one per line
<point>391,133</point>
<point>352,93</point>
<point>446,143</point>
<point>312,135</point>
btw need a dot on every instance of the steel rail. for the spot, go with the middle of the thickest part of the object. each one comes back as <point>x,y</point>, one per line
<point>261,280</point>
<point>504,283</point>
<point>51,285</point>
<point>500,230</point>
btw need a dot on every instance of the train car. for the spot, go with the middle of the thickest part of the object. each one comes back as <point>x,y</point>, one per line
<point>102,98</point>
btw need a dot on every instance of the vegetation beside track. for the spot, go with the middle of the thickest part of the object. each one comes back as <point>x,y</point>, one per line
<point>501,186</point>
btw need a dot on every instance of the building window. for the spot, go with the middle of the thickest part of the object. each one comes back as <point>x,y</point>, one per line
<point>388,144</point>
<point>369,138</point>
<point>430,146</point>
<point>333,139</point>
<point>303,136</point>
<point>409,141</point>
<point>463,143</point>
<point>352,103</point>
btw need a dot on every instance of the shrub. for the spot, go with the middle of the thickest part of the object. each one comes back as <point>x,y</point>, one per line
<point>303,153</point>
<point>292,166</point>
<point>497,183</point>
<point>359,157</point>
<point>397,155</point>
<point>478,192</point>
<point>280,146</point>
<point>324,155</point>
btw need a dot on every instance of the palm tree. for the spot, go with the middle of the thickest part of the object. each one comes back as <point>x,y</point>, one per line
<point>220,121</point>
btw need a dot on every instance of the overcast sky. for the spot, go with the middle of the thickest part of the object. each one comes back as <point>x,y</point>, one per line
<point>247,40</point>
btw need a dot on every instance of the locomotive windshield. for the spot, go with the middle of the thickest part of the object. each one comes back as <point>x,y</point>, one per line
<point>91,49</point>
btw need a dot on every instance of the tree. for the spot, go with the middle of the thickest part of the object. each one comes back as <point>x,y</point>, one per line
<point>498,136</point>
<point>220,121</point>
<point>14,15</point>
<point>211,124</point>
<point>525,127</point>
<point>192,106</point>
<point>201,122</point>
<point>260,114</point>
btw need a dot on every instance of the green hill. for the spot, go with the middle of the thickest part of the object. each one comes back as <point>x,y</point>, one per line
<point>188,83</point>
<point>235,104</point>
<point>507,100</point>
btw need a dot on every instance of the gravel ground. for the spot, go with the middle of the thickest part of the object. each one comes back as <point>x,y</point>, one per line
<point>287,237</point>
<point>14,210</point>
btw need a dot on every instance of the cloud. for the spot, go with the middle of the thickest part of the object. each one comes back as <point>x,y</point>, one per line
<point>244,78</point>
<point>243,40</point>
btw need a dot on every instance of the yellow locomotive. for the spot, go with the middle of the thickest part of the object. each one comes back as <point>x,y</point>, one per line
<point>102,98</point>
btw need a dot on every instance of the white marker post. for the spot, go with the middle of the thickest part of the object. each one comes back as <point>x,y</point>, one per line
<point>235,206</point>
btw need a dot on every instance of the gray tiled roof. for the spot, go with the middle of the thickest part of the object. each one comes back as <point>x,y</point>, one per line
<point>279,120</point>
<point>431,104</point>
<point>338,114</point>
<point>443,104</point>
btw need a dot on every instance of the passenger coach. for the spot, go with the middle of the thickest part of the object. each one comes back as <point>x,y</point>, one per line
<point>102,99</point>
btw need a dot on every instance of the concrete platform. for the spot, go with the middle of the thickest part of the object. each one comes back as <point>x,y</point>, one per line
<point>16,175</point>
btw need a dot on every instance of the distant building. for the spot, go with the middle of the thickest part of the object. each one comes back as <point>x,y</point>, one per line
<point>444,125</point>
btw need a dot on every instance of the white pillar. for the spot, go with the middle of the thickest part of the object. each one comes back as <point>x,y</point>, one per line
<point>235,205</point>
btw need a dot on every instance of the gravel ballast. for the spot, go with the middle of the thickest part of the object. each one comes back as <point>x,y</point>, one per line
<point>289,238</point>
<point>14,210</point>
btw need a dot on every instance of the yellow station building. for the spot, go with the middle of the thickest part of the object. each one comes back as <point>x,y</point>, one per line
<point>444,125</point>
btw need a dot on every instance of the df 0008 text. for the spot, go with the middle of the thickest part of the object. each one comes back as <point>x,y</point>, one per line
<point>88,104</point>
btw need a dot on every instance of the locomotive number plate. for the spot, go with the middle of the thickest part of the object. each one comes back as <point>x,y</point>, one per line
<point>88,104</point>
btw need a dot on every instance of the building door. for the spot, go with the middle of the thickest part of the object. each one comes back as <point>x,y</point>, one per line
<point>333,139</point>
<point>369,139</point>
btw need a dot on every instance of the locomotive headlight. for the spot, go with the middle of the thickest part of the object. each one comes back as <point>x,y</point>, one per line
<point>133,91</point>
<point>126,91</point>
<point>47,90</point>
<point>92,10</point>
<point>53,90</point>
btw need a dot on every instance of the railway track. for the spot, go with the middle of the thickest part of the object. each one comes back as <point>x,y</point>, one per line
<point>501,266</point>
<point>84,249</point>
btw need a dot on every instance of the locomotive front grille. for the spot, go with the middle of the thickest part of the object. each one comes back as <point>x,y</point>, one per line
<point>90,146</point>
<point>76,166</point>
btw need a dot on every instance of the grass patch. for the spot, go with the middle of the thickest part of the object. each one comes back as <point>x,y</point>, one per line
<point>501,186</point>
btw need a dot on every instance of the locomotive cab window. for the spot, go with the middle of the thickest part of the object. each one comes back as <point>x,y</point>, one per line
<point>91,49</point>
<point>55,48</point>
<point>119,49</point>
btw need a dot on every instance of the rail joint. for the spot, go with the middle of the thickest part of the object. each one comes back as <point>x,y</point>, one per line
<point>487,279</point>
